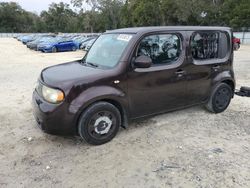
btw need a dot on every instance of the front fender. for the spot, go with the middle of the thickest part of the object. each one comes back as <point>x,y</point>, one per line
<point>100,93</point>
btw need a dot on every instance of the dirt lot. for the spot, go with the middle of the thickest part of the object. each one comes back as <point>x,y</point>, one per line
<point>187,148</point>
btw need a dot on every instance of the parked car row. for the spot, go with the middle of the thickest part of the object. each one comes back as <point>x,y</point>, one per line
<point>57,43</point>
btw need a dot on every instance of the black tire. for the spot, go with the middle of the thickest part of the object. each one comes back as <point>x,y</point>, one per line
<point>108,118</point>
<point>236,46</point>
<point>220,98</point>
<point>74,48</point>
<point>54,49</point>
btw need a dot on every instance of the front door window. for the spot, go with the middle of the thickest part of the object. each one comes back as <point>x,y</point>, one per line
<point>163,49</point>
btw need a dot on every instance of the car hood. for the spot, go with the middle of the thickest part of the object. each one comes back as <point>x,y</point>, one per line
<point>67,75</point>
<point>31,43</point>
<point>36,42</point>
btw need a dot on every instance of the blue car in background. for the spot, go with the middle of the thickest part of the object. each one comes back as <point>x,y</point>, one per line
<point>89,44</point>
<point>28,38</point>
<point>57,44</point>
<point>19,38</point>
<point>86,41</point>
<point>79,40</point>
<point>33,44</point>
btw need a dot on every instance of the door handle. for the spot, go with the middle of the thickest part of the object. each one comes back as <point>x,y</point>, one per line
<point>180,73</point>
<point>216,68</point>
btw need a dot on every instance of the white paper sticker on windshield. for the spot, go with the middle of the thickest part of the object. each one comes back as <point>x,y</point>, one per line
<point>124,37</point>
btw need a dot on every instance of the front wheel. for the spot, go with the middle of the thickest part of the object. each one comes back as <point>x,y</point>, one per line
<point>54,49</point>
<point>220,98</point>
<point>99,123</point>
<point>74,48</point>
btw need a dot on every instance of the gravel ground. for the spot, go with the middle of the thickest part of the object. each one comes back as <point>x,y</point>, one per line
<point>187,148</point>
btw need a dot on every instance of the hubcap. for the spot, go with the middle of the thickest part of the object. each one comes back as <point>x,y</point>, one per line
<point>102,125</point>
<point>222,98</point>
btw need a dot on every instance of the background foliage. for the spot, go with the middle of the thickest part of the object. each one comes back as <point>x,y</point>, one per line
<point>111,14</point>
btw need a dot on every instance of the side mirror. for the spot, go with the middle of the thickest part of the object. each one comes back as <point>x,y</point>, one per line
<point>143,62</point>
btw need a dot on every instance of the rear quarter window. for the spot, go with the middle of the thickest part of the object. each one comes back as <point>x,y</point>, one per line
<point>209,45</point>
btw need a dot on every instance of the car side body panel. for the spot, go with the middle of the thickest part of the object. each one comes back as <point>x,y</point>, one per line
<point>114,95</point>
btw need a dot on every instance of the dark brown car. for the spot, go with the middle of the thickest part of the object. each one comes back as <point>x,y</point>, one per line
<point>132,73</point>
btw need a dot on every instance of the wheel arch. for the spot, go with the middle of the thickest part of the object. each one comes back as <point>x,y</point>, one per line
<point>121,108</point>
<point>226,77</point>
<point>54,46</point>
<point>228,81</point>
<point>116,103</point>
<point>115,96</point>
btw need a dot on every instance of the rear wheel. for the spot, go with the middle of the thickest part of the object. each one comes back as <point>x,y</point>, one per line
<point>236,46</point>
<point>99,123</point>
<point>220,98</point>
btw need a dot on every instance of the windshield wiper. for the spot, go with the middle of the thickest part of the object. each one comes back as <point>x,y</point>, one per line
<point>92,64</point>
<point>83,61</point>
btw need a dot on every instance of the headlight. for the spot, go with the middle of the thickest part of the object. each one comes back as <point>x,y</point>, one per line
<point>52,95</point>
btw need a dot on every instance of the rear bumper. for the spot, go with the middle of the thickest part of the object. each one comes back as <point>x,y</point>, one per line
<point>53,118</point>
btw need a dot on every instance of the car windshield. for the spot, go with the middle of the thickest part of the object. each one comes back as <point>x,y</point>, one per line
<point>107,50</point>
<point>59,39</point>
<point>51,40</point>
<point>44,39</point>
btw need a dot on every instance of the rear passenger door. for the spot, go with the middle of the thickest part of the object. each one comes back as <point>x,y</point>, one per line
<point>206,58</point>
<point>161,87</point>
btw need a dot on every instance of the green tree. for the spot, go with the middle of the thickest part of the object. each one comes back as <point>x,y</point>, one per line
<point>237,13</point>
<point>14,19</point>
<point>141,13</point>
<point>59,18</point>
<point>104,15</point>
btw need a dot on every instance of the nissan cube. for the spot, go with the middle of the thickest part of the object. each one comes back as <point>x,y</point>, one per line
<point>133,73</point>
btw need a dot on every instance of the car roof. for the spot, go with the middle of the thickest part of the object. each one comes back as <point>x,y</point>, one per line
<point>168,28</point>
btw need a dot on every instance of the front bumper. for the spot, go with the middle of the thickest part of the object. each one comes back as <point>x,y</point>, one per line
<point>53,118</point>
<point>44,49</point>
<point>32,47</point>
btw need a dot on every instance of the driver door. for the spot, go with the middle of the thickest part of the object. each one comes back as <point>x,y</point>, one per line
<point>162,87</point>
<point>63,45</point>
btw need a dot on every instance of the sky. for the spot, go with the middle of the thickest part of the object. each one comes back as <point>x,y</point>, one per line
<point>36,5</point>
